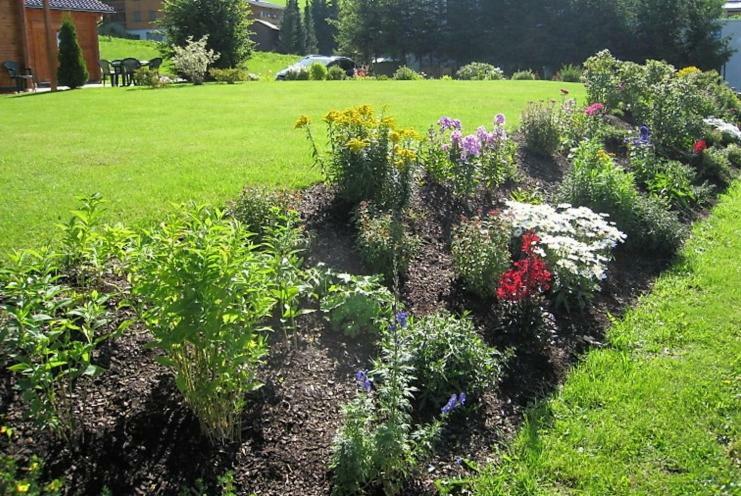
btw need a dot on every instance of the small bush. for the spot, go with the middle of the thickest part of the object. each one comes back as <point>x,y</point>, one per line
<point>317,72</point>
<point>405,73</point>
<point>596,182</point>
<point>205,291</point>
<point>384,243</point>
<point>541,128</point>
<point>570,74</point>
<point>450,357</point>
<point>336,73</point>
<point>297,75</point>
<point>481,255</point>
<point>527,75</point>
<point>715,165</point>
<point>357,304</point>
<point>144,76</point>
<point>193,59</point>
<point>733,152</point>
<point>228,76</point>
<point>479,71</point>
<point>261,210</point>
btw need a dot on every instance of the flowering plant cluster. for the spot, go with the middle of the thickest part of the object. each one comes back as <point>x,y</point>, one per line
<point>576,243</point>
<point>594,109</point>
<point>193,59</point>
<point>466,160</point>
<point>530,276</point>
<point>725,128</point>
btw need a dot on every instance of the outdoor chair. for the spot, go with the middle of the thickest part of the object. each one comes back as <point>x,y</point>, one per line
<point>107,71</point>
<point>23,77</point>
<point>128,67</point>
<point>155,64</point>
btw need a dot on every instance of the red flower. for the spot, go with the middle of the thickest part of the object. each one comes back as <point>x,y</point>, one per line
<point>700,146</point>
<point>529,240</point>
<point>529,277</point>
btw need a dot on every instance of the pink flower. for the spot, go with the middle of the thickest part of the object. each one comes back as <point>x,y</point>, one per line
<point>594,109</point>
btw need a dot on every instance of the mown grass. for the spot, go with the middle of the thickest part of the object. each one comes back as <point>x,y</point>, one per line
<point>143,149</point>
<point>657,411</point>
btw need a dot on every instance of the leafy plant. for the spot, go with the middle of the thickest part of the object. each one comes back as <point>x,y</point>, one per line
<point>479,71</point>
<point>405,73</point>
<point>384,243</point>
<point>318,72</point>
<point>541,128</point>
<point>209,327</point>
<point>480,251</point>
<point>229,75</point>
<point>355,304</point>
<point>26,480</point>
<point>193,59</point>
<point>715,166</point>
<point>82,250</point>
<point>570,73</point>
<point>48,336</point>
<point>145,76</point>
<point>336,73</point>
<point>526,75</point>
<point>449,357</point>
<point>261,209</point>
<point>297,75</point>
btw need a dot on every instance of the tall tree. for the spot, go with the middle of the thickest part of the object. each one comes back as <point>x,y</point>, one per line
<point>72,70</point>
<point>226,22</point>
<point>291,29</point>
<point>310,41</point>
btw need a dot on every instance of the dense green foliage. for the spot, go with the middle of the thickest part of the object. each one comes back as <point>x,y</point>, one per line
<point>72,69</point>
<point>541,128</point>
<point>226,23</point>
<point>309,32</point>
<point>531,33</point>
<point>481,254</point>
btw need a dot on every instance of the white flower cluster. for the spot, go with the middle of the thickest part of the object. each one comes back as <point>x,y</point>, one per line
<point>577,243</point>
<point>724,127</point>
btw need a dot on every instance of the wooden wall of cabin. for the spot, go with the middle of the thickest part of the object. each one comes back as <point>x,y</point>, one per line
<point>87,35</point>
<point>11,47</point>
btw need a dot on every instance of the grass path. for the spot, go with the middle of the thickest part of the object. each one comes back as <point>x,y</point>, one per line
<point>657,412</point>
<point>144,149</point>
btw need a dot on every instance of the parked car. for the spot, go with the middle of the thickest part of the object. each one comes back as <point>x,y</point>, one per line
<point>347,65</point>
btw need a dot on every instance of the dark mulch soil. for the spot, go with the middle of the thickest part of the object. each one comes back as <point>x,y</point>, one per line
<point>139,437</point>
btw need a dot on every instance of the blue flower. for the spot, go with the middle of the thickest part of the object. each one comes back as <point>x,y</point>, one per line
<point>644,138</point>
<point>402,318</point>
<point>461,399</point>
<point>451,404</point>
<point>361,376</point>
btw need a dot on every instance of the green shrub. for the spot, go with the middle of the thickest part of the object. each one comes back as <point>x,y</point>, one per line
<point>357,304</point>
<point>596,182</point>
<point>261,210</point>
<point>204,291</point>
<point>229,76</point>
<point>481,255</point>
<point>317,72</point>
<point>541,128</point>
<point>72,69</point>
<point>570,74</point>
<point>479,71</point>
<point>526,75</point>
<point>384,243</point>
<point>715,165</point>
<point>297,75</point>
<point>48,335</point>
<point>144,76</point>
<point>27,480</point>
<point>733,152</point>
<point>336,73</point>
<point>450,357</point>
<point>405,73</point>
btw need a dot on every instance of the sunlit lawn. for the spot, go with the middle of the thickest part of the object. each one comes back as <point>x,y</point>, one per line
<point>143,149</point>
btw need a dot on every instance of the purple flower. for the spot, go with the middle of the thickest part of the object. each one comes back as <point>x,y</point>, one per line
<point>402,318</point>
<point>499,120</point>
<point>361,376</point>
<point>450,405</point>
<point>471,146</point>
<point>456,137</point>
<point>446,123</point>
<point>462,399</point>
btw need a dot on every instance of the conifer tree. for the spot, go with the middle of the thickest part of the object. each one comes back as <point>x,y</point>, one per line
<point>291,30</point>
<point>72,70</point>
<point>310,40</point>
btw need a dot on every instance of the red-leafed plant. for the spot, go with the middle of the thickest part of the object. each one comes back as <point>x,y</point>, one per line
<point>700,146</point>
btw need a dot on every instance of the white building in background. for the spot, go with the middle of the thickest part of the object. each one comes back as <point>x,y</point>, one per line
<point>732,29</point>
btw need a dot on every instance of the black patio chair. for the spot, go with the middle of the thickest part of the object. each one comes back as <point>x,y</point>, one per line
<point>107,71</point>
<point>155,64</point>
<point>23,77</point>
<point>128,67</point>
<point>117,72</point>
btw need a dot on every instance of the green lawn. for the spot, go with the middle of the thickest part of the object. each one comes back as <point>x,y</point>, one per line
<point>657,412</point>
<point>143,149</point>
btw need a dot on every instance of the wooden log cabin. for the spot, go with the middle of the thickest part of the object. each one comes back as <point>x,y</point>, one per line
<point>23,35</point>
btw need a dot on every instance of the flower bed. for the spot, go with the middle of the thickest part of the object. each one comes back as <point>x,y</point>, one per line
<point>246,350</point>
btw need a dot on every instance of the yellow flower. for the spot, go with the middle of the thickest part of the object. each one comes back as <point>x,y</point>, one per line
<point>332,116</point>
<point>410,134</point>
<point>356,145</point>
<point>404,155</point>
<point>395,136</point>
<point>388,122</point>
<point>603,155</point>
<point>302,121</point>
<point>687,71</point>
<point>33,467</point>
<point>22,487</point>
